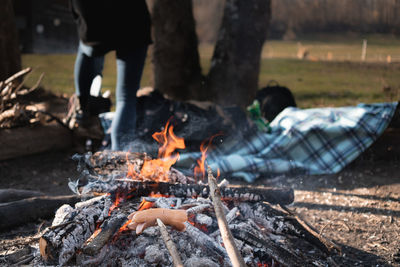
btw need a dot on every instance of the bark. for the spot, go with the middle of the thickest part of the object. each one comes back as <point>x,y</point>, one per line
<point>10,56</point>
<point>233,77</point>
<point>175,56</point>
<point>31,209</point>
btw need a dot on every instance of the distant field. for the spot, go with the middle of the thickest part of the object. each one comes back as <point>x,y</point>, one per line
<point>342,80</point>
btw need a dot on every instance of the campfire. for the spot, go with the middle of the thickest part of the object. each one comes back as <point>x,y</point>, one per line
<point>138,211</point>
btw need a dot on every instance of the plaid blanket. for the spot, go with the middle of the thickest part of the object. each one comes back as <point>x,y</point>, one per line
<point>309,141</point>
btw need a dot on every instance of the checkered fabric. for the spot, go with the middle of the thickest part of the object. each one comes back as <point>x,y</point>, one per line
<point>309,142</point>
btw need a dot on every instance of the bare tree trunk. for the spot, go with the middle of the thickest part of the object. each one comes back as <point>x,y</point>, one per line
<point>233,78</point>
<point>175,56</point>
<point>10,57</point>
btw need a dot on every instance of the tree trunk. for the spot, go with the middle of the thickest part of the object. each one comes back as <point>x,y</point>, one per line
<point>10,57</point>
<point>233,78</point>
<point>176,59</point>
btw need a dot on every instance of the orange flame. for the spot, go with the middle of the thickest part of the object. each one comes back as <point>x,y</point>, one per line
<point>159,168</point>
<point>200,170</point>
<point>118,200</point>
<point>144,205</point>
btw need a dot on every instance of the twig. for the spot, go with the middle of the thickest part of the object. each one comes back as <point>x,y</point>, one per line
<point>169,244</point>
<point>229,243</point>
<point>17,75</point>
<point>34,87</point>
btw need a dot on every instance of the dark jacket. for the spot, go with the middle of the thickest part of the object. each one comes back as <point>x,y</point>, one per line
<point>112,24</point>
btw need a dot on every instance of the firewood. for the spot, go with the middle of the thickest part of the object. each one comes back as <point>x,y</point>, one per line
<point>71,228</point>
<point>31,209</point>
<point>103,235</point>
<point>229,242</point>
<point>202,239</point>
<point>253,194</point>
<point>170,244</point>
<point>18,75</point>
<point>283,256</point>
<point>10,194</point>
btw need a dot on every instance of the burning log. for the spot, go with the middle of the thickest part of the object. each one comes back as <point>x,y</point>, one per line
<point>10,194</point>
<point>27,210</point>
<point>229,242</point>
<point>103,235</point>
<point>132,188</point>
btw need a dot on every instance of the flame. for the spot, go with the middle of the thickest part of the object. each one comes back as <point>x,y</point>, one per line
<point>200,170</point>
<point>159,168</point>
<point>125,226</point>
<point>118,199</point>
<point>144,205</point>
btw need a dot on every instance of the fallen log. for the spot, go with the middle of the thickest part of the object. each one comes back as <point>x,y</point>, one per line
<point>31,209</point>
<point>10,194</point>
<point>22,141</point>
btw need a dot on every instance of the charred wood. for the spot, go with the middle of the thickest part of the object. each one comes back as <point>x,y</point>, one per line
<point>31,209</point>
<point>279,223</point>
<point>273,250</point>
<point>71,228</point>
<point>312,236</point>
<point>106,231</point>
<point>131,188</point>
<point>205,241</point>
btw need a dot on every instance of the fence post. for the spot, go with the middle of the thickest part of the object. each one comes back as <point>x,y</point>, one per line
<point>364,50</point>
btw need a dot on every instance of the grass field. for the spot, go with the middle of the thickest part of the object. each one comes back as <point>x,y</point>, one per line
<point>343,80</point>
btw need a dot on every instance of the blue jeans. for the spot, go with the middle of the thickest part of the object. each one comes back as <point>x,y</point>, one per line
<point>130,63</point>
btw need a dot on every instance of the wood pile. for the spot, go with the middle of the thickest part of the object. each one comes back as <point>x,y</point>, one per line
<point>26,126</point>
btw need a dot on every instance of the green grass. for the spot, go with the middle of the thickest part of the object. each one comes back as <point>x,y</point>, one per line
<point>339,82</point>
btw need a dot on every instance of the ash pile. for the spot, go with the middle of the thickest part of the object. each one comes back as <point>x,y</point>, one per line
<point>116,223</point>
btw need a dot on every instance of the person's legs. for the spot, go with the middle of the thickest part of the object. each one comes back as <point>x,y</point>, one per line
<point>130,65</point>
<point>87,67</point>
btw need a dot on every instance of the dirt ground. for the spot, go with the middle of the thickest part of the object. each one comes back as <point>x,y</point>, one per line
<point>358,208</point>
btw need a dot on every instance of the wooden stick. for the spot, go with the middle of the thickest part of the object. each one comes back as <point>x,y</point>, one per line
<point>170,244</point>
<point>229,242</point>
<point>18,74</point>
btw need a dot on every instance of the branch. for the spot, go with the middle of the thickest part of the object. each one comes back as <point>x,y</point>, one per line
<point>229,242</point>
<point>170,244</point>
